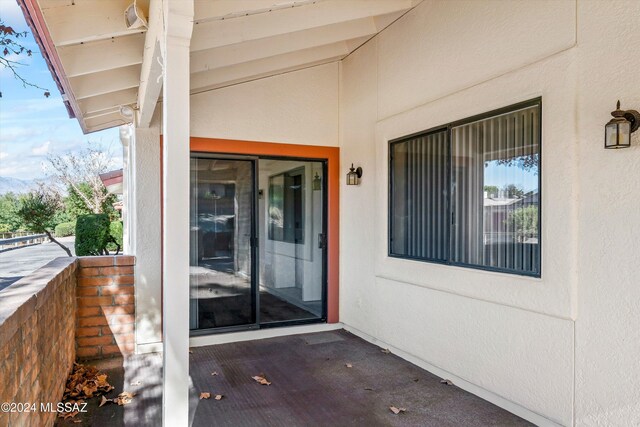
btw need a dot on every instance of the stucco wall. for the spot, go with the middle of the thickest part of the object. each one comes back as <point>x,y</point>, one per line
<point>493,330</point>
<point>607,327</point>
<point>564,346</point>
<point>297,108</point>
<point>514,337</point>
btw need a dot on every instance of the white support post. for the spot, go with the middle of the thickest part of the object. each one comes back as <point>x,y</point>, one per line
<point>178,26</point>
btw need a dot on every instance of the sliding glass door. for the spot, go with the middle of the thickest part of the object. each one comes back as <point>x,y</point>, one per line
<point>222,254</point>
<point>258,245</point>
<point>292,240</point>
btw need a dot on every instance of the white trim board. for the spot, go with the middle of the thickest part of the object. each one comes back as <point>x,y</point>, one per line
<point>261,334</point>
<point>484,394</point>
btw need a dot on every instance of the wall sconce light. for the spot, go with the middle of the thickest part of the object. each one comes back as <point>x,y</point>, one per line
<point>317,183</point>
<point>354,175</point>
<point>617,133</point>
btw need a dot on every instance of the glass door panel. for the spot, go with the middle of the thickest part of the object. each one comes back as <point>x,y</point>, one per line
<point>291,240</point>
<point>222,293</point>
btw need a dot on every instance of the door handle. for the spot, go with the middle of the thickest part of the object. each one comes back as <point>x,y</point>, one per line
<point>322,241</point>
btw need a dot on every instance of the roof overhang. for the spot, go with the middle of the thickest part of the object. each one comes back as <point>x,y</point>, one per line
<point>112,181</point>
<point>101,66</point>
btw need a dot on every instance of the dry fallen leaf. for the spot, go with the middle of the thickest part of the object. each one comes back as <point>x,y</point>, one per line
<point>348,365</point>
<point>124,398</point>
<point>385,351</point>
<point>103,401</point>
<point>368,388</point>
<point>214,373</point>
<point>218,397</point>
<point>396,410</point>
<point>261,379</point>
<point>447,382</point>
<point>205,395</point>
<point>77,421</point>
<point>71,414</point>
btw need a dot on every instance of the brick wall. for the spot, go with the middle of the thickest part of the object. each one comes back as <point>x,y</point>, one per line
<point>106,307</point>
<point>37,348</point>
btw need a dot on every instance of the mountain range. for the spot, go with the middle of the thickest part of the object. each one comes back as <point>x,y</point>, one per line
<point>15,185</point>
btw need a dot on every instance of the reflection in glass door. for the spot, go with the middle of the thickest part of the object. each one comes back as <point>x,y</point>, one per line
<point>258,242</point>
<point>292,240</point>
<point>222,293</point>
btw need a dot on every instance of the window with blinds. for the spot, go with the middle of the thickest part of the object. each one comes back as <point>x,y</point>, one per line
<point>468,193</point>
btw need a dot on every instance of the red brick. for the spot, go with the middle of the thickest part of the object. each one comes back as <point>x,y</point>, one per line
<point>118,309</point>
<point>89,272</point>
<point>89,311</point>
<point>92,321</point>
<point>118,349</point>
<point>94,341</point>
<point>96,261</point>
<point>94,301</point>
<point>116,271</point>
<point>95,281</point>
<point>117,290</point>
<point>123,280</point>
<point>87,291</point>
<point>124,338</point>
<point>122,319</point>
<point>125,328</point>
<point>124,299</point>
<point>86,352</point>
<point>88,332</point>
<point>125,260</point>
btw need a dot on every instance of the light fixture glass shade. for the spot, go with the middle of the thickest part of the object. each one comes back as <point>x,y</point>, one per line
<point>353,176</point>
<point>617,134</point>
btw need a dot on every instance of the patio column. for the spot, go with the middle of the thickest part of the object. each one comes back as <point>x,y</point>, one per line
<point>178,26</point>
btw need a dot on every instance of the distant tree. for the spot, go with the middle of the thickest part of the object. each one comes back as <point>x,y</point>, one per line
<point>38,210</point>
<point>75,205</point>
<point>79,174</point>
<point>11,50</point>
<point>513,191</point>
<point>524,222</point>
<point>492,190</point>
<point>528,162</point>
<point>9,218</point>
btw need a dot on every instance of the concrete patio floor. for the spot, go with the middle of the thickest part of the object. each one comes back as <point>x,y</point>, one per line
<point>311,386</point>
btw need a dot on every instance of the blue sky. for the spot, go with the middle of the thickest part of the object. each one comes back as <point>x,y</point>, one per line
<point>32,126</point>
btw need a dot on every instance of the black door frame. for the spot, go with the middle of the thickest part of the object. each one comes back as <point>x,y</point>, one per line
<point>255,246</point>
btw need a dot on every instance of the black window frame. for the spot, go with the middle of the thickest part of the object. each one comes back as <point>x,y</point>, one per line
<point>449,208</point>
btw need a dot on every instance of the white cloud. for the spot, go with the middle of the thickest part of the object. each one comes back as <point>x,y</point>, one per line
<point>12,15</point>
<point>41,150</point>
<point>3,155</point>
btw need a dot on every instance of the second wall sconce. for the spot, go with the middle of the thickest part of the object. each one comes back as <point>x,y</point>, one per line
<point>354,175</point>
<point>617,133</point>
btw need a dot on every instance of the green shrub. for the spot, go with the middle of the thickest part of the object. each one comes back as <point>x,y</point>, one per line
<point>92,234</point>
<point>115,229</point>
<point>65,229</point>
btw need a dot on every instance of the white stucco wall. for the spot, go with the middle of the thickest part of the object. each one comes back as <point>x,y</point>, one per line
<point>564,346</point>
<point>300,107</point>
<point>514,337</point>
<point>608,322</point>
<point>146,236</point>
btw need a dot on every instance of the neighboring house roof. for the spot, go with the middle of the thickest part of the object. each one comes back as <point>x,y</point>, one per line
<point>112,180</point>
<point>500,202</point>
<point>100,65</point>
